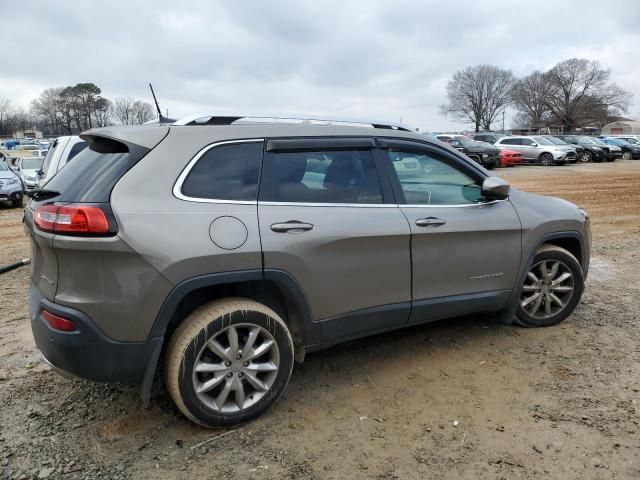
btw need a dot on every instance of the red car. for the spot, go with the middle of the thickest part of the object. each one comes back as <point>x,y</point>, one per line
<point>509,158</point>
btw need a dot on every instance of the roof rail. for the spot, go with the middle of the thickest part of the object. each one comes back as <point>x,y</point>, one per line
<point>209,119</point>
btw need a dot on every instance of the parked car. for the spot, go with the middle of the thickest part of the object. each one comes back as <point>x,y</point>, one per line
<point>510,158</point>
<point>556,141</point>
<point>481,152</point>
<point>629,150</point>
<point>11,189</point>
<point>209,241</point>
<point>61,152</point>
<point>591,153</point>
<point>27,169</point>
<point>538,150</point>
<point>611,151</point>
<point>488,137</point>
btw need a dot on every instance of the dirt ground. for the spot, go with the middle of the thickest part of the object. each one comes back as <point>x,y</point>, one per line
<point>463,399</point>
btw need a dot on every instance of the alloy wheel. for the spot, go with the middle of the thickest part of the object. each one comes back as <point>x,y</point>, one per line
<point>547,290</point>
<point>627,156</point>
<point>236,368</point>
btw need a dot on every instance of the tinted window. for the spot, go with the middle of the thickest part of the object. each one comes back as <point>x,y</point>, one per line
<point>32,163</point>
<point>510,141</point>
<point>94,173</point>
<point>427,179</point>
<point>333,176</point>
<point>75,150</point>
<point>226,172</point>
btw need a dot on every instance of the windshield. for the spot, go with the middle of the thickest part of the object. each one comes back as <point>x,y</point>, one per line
<point>34,163</point>
<point>618,141</point>
<point>556,141</point>
<point>542,141</point>
<point>467,142</point>
<point>3,167</point>
<point>586,140</point>
<point>632,141</point>
<point>599,142</point>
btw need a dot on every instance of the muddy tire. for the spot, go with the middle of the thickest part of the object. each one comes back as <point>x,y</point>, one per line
<point>228,362</point>
<point>552,288</point>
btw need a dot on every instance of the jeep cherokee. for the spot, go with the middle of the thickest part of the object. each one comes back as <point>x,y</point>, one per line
<point>232,247</point>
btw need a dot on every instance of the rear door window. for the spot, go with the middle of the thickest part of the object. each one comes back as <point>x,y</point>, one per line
<point>346,176</point>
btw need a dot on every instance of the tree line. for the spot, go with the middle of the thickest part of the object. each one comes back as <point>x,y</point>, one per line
<point>72,109</point>
<point>572,94</point>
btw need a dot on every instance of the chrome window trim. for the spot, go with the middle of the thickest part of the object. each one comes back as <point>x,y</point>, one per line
<point>461,205</point>
<point>177,186</point>
<point>352,205</point>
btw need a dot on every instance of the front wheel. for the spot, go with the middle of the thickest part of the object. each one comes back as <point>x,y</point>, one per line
<point>228,362</point>
<point>627,156</point>
<point>552,288</point>
<point>16,202</point>
<point>546,159</point>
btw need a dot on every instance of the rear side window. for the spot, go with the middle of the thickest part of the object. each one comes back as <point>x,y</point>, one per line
<point>93,174</point>
<point>226,172</point>
<point>511,141</point>
<point>332,176</point>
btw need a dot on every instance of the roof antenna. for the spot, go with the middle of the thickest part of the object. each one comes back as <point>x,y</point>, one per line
<point>161,118</point>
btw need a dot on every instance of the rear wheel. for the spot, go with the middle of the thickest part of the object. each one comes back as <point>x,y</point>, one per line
<point>552,288</point>
<point>546,159</point>
<point>228,362</point>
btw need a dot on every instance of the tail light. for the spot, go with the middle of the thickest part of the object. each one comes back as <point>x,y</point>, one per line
<point>74,218</point>
<point>57,322</point>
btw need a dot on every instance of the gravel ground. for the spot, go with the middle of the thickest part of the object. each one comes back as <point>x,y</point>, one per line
<point>464,399</point>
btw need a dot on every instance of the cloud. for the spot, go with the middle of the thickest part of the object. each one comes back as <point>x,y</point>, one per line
<point>371,59</point>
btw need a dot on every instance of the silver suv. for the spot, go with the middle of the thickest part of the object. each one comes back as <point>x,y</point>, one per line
<point>232,248</point>
<point>538,150</point>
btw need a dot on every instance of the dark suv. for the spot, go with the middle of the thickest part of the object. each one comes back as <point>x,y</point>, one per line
<point>231,248</point>
<point>481,152</point>
<point>591,152</point>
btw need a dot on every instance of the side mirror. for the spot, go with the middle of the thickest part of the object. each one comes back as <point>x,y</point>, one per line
<point>40,173</point>
<point>495,188</point>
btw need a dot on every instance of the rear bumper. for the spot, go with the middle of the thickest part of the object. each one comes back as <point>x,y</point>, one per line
<point>87,352</point>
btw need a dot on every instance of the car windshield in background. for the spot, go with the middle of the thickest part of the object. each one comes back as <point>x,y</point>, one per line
<point>32,163</point>
<point>467,142</point>
<point>556,141</point>
<point>542,141</point>
<point>3,167</point>
<point>619,142</point>
<point>598,142</point>
<point>586,140</point>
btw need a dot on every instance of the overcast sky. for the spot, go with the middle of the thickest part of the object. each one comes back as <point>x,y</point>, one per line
<point>347,58</point>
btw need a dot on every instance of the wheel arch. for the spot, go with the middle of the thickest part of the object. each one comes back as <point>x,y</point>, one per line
<point>570,240</point>
<point>276,289</point>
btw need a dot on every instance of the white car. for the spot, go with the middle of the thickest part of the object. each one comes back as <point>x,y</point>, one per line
<point>61,152</point>
<point>27,169</point>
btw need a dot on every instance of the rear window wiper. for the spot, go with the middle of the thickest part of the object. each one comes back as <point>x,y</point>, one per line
<point>42,194</point>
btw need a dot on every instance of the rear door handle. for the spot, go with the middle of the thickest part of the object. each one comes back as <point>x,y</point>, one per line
<point>430,222</point>
<point>293,226</point>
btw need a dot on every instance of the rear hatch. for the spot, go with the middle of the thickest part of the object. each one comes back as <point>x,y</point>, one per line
<point>75,205</point>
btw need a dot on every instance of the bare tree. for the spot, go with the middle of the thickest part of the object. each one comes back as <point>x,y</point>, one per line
<point>577,87</point>
<point>123,110</point>
<point>128,111</point>
<point>142,112</point>
<point>478,94</point>
<point>530,97</point>
<point>7,112</point>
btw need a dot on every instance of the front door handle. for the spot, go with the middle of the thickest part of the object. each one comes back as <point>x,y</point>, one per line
<point>292,226</point>
<point>430,222</point>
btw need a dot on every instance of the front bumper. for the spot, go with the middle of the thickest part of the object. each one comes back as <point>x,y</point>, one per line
<point>87,352</point>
